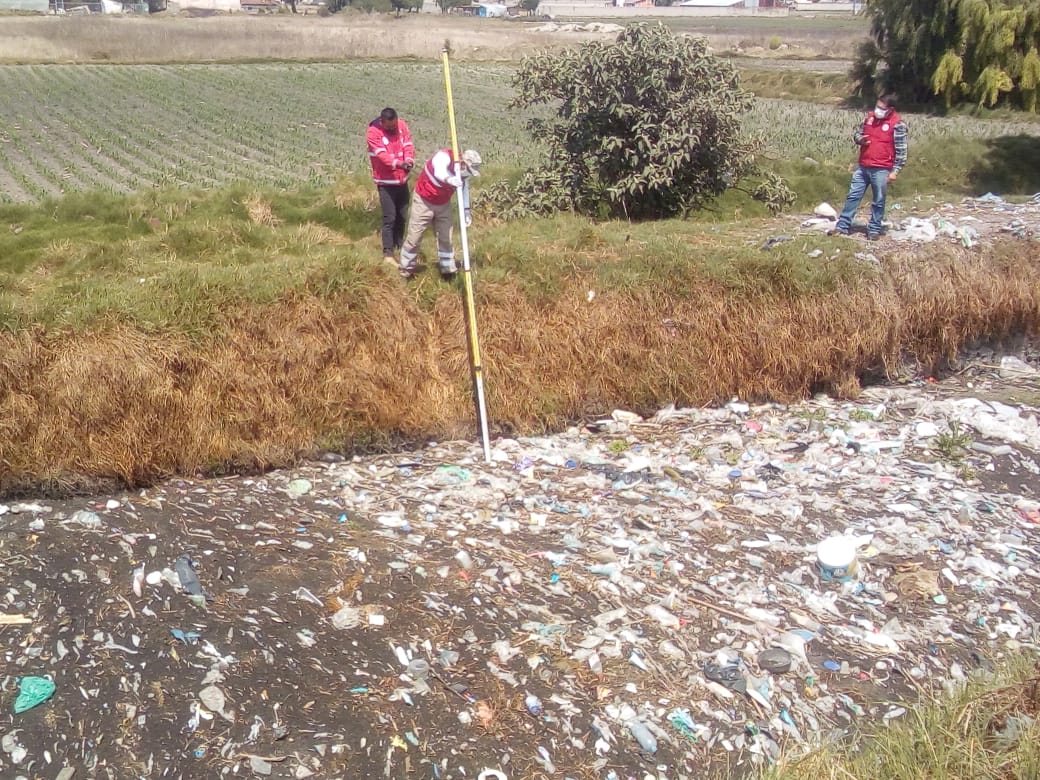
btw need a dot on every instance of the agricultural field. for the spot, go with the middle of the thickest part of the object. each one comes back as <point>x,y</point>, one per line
<point>121,128</point>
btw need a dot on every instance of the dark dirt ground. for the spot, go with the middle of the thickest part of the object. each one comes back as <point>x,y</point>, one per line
<point>723,554</point>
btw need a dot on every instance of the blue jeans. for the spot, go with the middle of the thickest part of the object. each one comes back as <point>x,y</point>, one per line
<point>877,179</point>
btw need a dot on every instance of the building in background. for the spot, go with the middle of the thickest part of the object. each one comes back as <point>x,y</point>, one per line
<point>24,5</point>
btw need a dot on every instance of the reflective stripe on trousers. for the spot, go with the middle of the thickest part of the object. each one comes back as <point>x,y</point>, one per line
<point>421,215</point>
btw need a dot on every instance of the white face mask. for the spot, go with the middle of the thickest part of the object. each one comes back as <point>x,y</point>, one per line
<point>880,113</point>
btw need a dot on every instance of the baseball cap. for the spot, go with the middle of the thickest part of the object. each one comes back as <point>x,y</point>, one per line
<point>473,161</point>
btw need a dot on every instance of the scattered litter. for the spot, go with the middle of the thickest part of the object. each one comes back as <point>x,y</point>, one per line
<point>298,488</point>
<point>827,211</point>
<point>1012,367</point>
<point>695,588</point>
<point>836,558</point>
<point>916,230</point>
<point>775,660</point>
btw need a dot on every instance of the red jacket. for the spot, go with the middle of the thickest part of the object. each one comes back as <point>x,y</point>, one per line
<point>388,153</point>
<point>432,184</point>
<point>881,151</point>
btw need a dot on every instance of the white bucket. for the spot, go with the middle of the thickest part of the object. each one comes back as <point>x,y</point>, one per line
<point>836,559</point>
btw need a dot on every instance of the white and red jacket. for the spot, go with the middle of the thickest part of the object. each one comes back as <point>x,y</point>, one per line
<point>438,180</point>
<point>388,153</point>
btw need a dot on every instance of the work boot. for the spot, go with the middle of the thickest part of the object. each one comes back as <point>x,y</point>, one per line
<point>448,270</point>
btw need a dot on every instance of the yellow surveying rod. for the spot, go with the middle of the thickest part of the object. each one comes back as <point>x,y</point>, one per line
<point>476,368</point>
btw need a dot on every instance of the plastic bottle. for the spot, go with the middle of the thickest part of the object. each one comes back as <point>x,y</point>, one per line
<point>418,669</point>
<point>186,574</point>
<point>533,704</point>
<point>646,740</point>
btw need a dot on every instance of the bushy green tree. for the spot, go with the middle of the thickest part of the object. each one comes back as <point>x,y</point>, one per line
<point>647,126</point>
<point>955,50</point>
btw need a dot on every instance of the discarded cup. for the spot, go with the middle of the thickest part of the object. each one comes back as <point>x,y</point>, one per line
<point>836,559</point>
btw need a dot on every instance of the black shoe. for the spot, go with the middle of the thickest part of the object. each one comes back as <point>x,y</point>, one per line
<point>448,276</point>
<point>837,232</point>
<point>873,236</point>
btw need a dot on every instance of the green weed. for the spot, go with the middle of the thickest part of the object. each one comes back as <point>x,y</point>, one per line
<point>952,445</point>
<point>861,415</point>
<point>984,729</point>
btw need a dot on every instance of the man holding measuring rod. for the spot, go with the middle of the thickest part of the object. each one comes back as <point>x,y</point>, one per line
<point>431,205</point>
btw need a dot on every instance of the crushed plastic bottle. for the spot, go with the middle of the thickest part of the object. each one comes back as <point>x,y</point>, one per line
<point>185,568</point>
<point>647,741</point>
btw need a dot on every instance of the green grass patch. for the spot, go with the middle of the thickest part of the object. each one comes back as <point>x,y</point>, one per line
<point>300,127</point>
<point>177,261</point>
<point>796,84</point>
<point>985,729</point>
<point>172,261</point>
<point>277,197</point>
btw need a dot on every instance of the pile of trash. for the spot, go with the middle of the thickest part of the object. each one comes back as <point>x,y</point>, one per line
<point>967,223</point>
<point>631,597</point>
<point>583,27</point>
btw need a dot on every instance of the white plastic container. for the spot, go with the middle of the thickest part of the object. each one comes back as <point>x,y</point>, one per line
<point>836,559</point>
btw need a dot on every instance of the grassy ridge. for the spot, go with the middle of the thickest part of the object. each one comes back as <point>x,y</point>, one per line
<point>179,330</point>
<point>985,728</point>
<point>173,333</point>
<point>173,261</point>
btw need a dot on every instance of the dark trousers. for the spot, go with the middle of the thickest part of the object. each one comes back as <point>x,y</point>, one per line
<point>393,200</point>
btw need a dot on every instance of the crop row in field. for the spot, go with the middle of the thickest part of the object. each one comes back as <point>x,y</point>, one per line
<point>119,128</point>
<point>127,127</point>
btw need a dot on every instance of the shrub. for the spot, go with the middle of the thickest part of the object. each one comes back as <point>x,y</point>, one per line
<point>645,127</point>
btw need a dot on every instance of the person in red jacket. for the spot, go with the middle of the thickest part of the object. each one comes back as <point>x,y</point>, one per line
<point>431,205</point>
<point>882,155</point>
<point>392,155</point>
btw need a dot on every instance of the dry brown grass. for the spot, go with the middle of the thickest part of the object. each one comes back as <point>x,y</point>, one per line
<point>367,370</point>
<point>250,38</point>
<point>259,211</point>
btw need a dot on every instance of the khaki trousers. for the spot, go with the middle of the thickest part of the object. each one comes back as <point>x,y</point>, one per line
<point>421,215</point>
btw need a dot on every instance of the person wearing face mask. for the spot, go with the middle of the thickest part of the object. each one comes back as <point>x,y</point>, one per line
<point>882,154</point>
